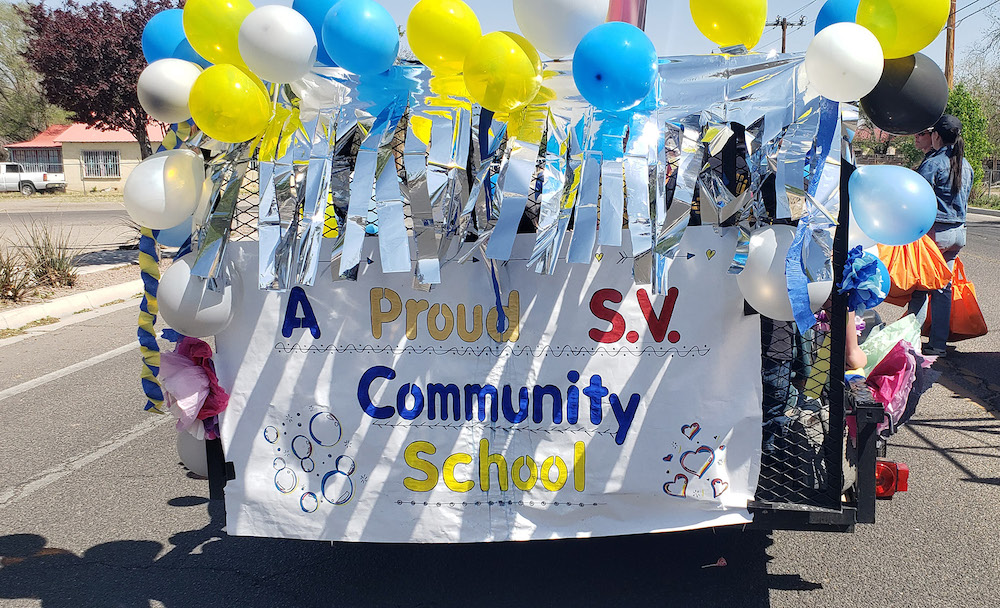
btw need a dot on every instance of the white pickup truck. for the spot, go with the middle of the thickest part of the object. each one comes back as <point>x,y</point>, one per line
<point>14,178</point>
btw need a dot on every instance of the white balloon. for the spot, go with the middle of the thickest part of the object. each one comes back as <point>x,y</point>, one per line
<point>165,188</point>
<point>191,451</point>
<point>188,305</point>
<point>763,282</point>
<point>556,27</point>
<point>277,43</point>
<point>163,89</point>
<point>259,3</point>
<point>844,62</point>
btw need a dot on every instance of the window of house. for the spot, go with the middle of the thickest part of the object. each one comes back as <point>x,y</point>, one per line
<point>100,163</point>
<point>44,160</point>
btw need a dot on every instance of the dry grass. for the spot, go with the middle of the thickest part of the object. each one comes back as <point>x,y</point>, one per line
<point>48,255</point>
<point>15,281</point>
<point>10,333</point>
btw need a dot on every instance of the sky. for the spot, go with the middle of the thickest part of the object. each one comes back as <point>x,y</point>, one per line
<point>669,24</point>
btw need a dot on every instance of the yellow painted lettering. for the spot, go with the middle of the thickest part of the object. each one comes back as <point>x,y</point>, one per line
<point>380,316</point>
<point>485,460</point>
<point>477,324</point>
<point>513,312</point>
<point>579,466</point>
<point>449,473</point>
<point>449,322</point>
<point>413,310</point>
<point>412,457</point>
<point>546,473</point>
<point>515,473</point>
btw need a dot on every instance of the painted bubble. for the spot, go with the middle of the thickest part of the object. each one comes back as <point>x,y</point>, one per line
<point>285,480</point>
<point>308,465</point>
<point>302,447</point>
<point>325,429</point>
<point>271,434</point>
<point>345,464</point>
<point>279,463</point>
<point>338,488</point>
<point>309,502</point>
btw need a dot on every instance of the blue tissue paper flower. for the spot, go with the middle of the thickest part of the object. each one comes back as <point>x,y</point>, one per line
<point>865,283</point>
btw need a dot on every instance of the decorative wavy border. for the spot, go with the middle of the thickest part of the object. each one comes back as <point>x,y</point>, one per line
<point>496,351</point>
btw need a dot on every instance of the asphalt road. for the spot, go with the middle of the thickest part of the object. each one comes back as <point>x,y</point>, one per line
<point>96,511</point>
<point>90,227</point>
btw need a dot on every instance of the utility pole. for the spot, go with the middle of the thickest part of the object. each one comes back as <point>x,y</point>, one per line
<point>784,24</point>
<point>949,50</point>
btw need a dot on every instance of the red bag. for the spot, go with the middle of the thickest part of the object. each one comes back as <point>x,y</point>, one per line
<point>918,266</point>
<point>966,317</point>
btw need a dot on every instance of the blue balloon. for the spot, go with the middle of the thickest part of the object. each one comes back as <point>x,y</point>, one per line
<point>361,36</point>
<point>615,66</point>
<point>163,38</point>
<point>176,236</point>
<point>837,11</point>
<point>885,281</point>
<point>892,205</point>
<point>315,12</point>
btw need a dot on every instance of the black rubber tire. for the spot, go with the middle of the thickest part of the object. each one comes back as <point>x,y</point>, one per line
<point>27,189</point>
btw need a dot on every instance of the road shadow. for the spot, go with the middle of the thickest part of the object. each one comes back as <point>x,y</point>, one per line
<point>207,568</point>
<point>108,256</point>
<point>973,375</point>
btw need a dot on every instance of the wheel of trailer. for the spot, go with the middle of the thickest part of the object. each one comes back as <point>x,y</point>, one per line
<point>27,189</point>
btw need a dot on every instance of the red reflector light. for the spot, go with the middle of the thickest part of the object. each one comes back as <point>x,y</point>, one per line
<point>890,477</point>
<point>45,177</point>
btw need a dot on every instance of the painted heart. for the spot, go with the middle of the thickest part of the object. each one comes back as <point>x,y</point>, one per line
<point>599,256</point>
<point>690,430</point>
<point>710,253</point>
<point>678,487</point>
<point>697,461</point>
<point>719,486</point>
<point>668,458</point>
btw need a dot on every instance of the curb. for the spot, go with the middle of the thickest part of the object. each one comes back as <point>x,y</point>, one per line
<point>982,211</point>
<point>67,305</point>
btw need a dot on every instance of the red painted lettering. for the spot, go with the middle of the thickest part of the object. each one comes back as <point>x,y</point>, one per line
<point>606,314</point>
<point>658,323</point>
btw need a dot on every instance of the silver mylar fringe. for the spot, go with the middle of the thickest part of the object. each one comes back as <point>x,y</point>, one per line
<point>581,246</point>
<point>642,143</point>
<point>317,188</point>
<point>213,236</point>
<point>552,197</point>
<point>363,184</point>
<point>791,180</point>
<point>516,182</point>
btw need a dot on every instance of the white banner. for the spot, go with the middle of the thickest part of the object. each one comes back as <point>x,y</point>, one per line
<point>581,406</point>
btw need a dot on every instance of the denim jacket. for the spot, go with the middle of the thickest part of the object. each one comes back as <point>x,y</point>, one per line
<point>936,169</point>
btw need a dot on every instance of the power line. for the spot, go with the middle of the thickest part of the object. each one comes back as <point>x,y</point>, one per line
<point>973,3</point>
<point>975,12</point>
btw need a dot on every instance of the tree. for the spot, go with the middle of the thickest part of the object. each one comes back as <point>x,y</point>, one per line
<point>24,112</point>
<point>90,57</point>
<point>975,127</point>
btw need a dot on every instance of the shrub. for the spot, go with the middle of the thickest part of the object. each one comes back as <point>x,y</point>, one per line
<point>15,281</point>
<point>49,258</point>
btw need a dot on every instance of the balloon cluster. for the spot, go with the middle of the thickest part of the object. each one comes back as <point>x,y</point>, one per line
<point>209,61</point>
<point>869,50</point>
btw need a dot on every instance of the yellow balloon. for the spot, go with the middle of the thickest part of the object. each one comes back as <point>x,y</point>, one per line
<point>228,105</point>
<point>730,22</point>
<point>441,32</point>
<point>903,27</point>
<point>503,71</point>
<point>212,28</point>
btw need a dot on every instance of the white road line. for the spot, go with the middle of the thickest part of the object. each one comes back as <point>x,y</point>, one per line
<point>30,384</point>
<point>46,478</point>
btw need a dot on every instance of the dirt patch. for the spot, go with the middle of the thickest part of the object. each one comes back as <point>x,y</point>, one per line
<point>84,283</point>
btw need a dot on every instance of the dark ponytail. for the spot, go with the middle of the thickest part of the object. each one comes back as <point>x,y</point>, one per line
<point>957,156</point>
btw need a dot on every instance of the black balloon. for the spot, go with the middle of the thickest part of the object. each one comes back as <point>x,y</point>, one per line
<point>910,97</point>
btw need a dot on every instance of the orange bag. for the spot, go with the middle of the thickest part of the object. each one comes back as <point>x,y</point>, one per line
<point>966,317</point>
<point>918,266</point>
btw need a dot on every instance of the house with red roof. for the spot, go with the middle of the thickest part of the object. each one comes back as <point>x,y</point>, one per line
<point>91,159</point>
